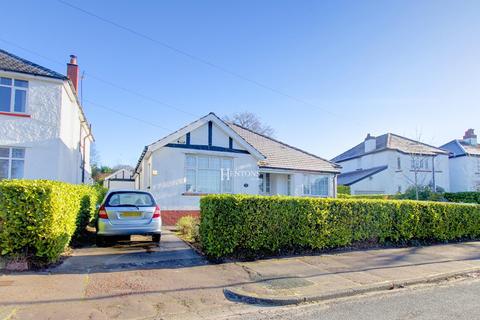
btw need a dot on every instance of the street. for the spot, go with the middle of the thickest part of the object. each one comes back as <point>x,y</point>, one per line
<point>452,300</point>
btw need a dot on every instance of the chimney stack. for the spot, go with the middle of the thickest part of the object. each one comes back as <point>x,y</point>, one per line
<point>72,71</point>
<point>370,143</point>
<point>470,137</point>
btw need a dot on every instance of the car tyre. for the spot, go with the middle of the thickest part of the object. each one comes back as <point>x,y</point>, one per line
<point>156,238</point>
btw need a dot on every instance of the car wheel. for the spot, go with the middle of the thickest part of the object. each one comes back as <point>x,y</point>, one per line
<point>156,238</point>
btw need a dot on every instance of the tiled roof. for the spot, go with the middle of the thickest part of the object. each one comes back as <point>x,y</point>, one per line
<point>282,156</point>
<point>13,63</point>
<point>390,141</point>
<point>349,178</point>
<point>461,148</point>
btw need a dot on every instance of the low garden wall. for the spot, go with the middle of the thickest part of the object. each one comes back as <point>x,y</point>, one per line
<point>249,225</point>
<point>38,218</point>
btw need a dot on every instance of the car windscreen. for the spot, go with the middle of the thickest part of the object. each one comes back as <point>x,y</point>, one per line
<point>126,199</point>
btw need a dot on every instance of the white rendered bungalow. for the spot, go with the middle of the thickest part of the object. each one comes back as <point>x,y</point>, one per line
<point>212,156</point>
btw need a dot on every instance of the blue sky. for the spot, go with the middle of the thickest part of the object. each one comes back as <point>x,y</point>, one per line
<point>344,68</point>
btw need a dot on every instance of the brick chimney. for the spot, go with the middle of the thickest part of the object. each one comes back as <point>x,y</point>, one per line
<point>470,137</point>
<point>370,143</point>
<point>72,71</point>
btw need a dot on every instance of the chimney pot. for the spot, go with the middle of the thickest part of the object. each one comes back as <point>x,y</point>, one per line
<point>73,72</point>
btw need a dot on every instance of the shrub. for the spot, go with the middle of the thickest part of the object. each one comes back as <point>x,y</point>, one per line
<point>39,217</point>
<point>424,193</point>
<point>466,197</point>
<point>188,227</point>
<point>251,225</point>
<point>343,189</point>
<point>367,196</point>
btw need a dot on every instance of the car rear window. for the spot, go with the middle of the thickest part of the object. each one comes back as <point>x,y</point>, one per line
<point>138,199</point>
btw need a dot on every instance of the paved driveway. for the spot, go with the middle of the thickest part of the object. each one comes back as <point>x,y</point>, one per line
<point>138,254</point>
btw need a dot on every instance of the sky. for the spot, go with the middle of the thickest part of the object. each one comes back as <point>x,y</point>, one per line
<point>323,74</point>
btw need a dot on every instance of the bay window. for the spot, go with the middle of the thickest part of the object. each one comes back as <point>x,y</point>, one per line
<point>315,185</point>
<point>12,161</point>
<point>208,174</point>
<point>13,95</point>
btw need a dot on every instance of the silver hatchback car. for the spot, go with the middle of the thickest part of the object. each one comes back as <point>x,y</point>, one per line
<point>128,212</point>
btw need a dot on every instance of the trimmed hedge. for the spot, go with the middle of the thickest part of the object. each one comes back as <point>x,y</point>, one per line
<point>39,217</point>
<point>367,196</point>
<point>466,197</point>
<point>252,225</point>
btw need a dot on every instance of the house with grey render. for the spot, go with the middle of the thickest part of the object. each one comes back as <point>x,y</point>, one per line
<point>212,156</point>
<point>464,162</point>
<point>390,163</point>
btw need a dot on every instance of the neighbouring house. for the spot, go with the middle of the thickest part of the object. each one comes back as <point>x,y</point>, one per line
<point>389,164</point>
<point>464,162</point>
<point>212,156</point>
<point>120,179</point>
<point>44,133</point>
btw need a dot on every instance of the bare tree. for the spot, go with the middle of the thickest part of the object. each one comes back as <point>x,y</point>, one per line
<point>421,162</point>
<point>250,121</point>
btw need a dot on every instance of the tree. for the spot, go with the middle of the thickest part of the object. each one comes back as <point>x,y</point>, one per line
<point>250,121</point>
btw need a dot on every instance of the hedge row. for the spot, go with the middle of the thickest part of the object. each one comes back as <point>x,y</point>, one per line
<point>466,197</point>
<point>367,196</point>
<point>240,224</point>
<point>39,217</point>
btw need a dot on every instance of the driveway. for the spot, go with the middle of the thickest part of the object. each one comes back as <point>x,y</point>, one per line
<point>137,254</point>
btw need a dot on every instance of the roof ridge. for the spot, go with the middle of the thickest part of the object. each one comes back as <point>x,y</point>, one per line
<point>416,141</point>
<point>33,64</point>
<point>285,144</point>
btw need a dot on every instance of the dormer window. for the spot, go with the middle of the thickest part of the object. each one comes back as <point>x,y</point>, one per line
<point>13,95</point>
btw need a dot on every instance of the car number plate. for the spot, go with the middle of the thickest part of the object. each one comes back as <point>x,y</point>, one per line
<point>131,214</point>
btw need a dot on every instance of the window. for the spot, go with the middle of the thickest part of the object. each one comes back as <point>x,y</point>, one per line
<point>315,185</point>
<point>399,190</point>
<point>206,174</point>
<point>264,183</point>
<point>420,163</point>
<point>13,95</point>
<point>12,161</point>
<point>127,199</point>
<point>399,163</point>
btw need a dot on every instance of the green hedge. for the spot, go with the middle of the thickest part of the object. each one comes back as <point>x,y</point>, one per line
<point>343,189</point>
<point>466,197</point>
<point>250,225</point>
<point>368,196</point>
<point>39,217</point>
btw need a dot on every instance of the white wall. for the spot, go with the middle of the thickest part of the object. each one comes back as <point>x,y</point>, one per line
<point>169,185</point>
<point>390,180</point>
<point>50,135</point>
<point>464,174</point>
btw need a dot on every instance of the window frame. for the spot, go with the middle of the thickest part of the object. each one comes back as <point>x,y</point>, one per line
<point>13,89</point>
<point>265,183</point>
<point>197,169</point>
<point>10,158</point>
<point>307,181</point>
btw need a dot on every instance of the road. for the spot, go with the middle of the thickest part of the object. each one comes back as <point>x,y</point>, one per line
<point>453,300</point>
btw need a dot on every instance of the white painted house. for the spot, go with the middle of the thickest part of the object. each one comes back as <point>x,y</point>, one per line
<point>464,162</point>
<point>120,179</point>
<point>389,164</point>
<point>44,133</point>
<point>212,156</point>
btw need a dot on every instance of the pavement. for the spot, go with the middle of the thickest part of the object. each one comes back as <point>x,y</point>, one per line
<point>321,277</point>
<point>142,281</point>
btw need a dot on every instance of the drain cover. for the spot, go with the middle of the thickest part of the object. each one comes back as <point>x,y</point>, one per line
<point>287,283</point>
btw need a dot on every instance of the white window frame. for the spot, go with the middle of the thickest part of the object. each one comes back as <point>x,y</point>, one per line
<point>264,183</point>
<point>420,163</point>
<point>10,158</point>
<point>307,185</point>
<point>13,89</point>
<point>196,168</point>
